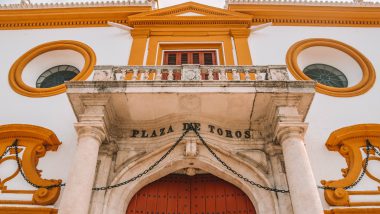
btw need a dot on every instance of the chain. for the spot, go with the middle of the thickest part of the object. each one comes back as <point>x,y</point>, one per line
<point>150,168</point>
<point>368,146</point>
<point>6,151</point>
<point>147,170</point>
<point>374,149</point>
<point>234,171</point>
<point>15,145</point>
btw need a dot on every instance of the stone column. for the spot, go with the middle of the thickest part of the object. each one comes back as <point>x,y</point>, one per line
<point>289,133</point>
<point>77,193</point>
<point>103,172</point>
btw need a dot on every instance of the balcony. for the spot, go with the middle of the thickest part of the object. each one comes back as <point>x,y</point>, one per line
<point>138,96</point>
<point>190,73</point>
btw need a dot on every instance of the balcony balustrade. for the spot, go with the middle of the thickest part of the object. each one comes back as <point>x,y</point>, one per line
<point>190,73</point>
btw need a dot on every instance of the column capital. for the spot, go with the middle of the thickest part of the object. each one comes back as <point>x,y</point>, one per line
<point>288,123</point>
<point>94,130</point>
<point>240,33</point>
<point>286,130</point>
<point>140,33</point>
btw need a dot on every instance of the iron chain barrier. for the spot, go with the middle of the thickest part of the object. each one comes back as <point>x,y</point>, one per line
<point>234,171</point>
<point>147,170</point>
<point>369,147</point>
<point>15,145</point>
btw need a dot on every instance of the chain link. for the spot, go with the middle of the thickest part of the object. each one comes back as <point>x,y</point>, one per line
<point>6,151</point>
<point>150,168</point>
<point>368,146</point>
<point>15,145</point>
<point>374,149</point>
<point>234,171</point>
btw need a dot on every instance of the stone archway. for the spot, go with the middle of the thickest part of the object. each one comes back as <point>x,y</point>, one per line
<point>117,200</point>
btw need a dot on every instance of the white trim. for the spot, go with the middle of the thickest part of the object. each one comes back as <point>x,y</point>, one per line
<point>217,51</point>
<point>77,4</point>
<point>146,51</point>
<point>334,3</point>
<point>260,27</point>
<point>190,14</point>
<point>234,54</point>
<point>120,26</point>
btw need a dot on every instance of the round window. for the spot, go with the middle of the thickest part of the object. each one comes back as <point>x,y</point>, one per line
<point>326,75</point>
<point>362,79</point>
<point>56,75</point>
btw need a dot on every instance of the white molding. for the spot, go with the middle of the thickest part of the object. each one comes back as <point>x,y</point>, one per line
<point>305,3</point>
<point>234,54</point>
<point>146,51</point>
<point>77,4</point>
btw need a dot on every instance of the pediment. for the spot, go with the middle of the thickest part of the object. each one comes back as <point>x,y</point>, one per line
<point>189,13</point>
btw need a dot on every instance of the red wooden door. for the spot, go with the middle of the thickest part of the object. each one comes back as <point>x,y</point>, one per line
<point>182,194</point>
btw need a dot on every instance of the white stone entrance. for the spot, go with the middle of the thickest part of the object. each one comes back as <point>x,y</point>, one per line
<point>251,125</point>
<point>116,200</point>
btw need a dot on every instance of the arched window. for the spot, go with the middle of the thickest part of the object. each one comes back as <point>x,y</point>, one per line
<point>56,76</point>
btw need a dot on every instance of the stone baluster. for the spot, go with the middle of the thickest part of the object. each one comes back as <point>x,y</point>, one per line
<point>235,74</point>
<point>158,74</point>
<point>289,132</point>
<point>135,73</point>
<point>123,74</point>
<point>210,74</point>
<point>246,73</point>
<point>170,76</point>
<point>118,74</point>
<point>145,75</point>
<point>222,75</point>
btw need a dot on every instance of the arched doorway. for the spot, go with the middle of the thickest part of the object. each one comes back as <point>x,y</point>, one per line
<point>182,194</point>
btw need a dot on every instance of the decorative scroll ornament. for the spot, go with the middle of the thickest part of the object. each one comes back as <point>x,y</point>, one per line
<point>33,142</point>
<point>350,142</point>
<point>191,73</point>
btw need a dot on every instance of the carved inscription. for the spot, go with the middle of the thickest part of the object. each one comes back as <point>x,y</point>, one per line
<point>227,133</point>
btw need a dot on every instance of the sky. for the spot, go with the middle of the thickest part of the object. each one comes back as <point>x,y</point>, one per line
<point>163,3</point>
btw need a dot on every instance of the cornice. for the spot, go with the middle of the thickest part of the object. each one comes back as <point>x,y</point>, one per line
<point>209,16</point>
<point>206,22</point>
<point>76,4</point>
<point>67,17</point>
<point>310,15</point>
<point>308,3</point>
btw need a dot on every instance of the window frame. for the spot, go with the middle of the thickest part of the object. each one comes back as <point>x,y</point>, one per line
<point>215,56</point>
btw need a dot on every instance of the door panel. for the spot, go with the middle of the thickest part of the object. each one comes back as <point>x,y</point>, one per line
<point>182,194</point>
